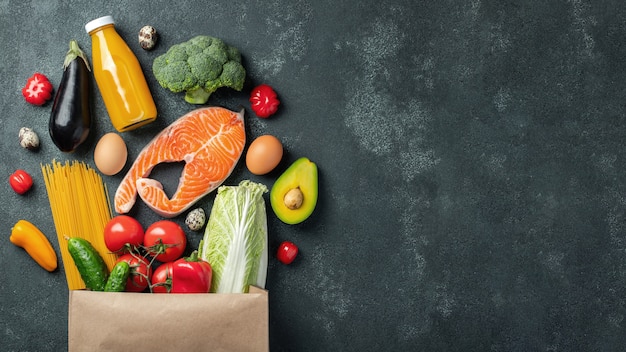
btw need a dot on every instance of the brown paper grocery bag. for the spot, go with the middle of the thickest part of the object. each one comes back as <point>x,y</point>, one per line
<point>109,321</point>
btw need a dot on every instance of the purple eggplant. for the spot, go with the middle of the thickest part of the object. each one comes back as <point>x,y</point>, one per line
<point>70,120</point>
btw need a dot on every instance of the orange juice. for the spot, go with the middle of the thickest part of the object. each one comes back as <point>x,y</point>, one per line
<point>119,77</point>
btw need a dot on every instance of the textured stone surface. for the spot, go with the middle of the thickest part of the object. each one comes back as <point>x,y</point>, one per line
<point>470,153</point>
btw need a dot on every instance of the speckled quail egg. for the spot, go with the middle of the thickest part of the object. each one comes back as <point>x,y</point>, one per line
<point>147,37</point>
<point>195,219</point>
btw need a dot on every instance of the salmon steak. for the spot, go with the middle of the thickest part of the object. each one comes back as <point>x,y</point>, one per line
<point>208,140</point>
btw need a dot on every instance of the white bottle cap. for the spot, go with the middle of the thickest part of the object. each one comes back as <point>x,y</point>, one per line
<point>99,22</point>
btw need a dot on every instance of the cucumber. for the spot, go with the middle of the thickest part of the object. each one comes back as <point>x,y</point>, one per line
<point>118,278</point>
<point>89,263</point>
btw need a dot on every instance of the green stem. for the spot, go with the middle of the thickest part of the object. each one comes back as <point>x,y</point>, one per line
<point>197,96</point>
<point>74,53</point>
<point>193,257</point>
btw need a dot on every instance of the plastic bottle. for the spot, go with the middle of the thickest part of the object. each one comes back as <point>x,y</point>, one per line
<point>119,77</point>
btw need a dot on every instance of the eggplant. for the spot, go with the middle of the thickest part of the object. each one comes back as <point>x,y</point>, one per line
<point>70,119</point>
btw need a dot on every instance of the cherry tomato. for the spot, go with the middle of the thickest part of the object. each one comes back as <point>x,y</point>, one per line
<point>165,240</point>
<point>287,252</point>
<point>162,278</point>
<point>263,101</point>
<point>140,271</point>
<point>122,233</point>
<point>20,181</point>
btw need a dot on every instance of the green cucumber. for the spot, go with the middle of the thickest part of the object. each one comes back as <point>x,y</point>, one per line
<point>89,263</point>
<point>118,278</point>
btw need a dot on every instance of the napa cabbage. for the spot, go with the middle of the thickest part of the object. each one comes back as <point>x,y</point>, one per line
<point>235,238</point>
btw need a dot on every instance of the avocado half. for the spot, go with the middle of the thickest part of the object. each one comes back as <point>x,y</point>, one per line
<point>294,194</point>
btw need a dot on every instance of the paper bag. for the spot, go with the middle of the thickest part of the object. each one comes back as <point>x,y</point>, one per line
<point>109,321</point>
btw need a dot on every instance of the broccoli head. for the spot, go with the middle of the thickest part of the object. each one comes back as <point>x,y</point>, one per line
<point>199,67</point>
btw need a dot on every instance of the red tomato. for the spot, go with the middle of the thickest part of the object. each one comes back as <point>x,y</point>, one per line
<point>20,181</point>
<point>287,252</point>
<point>165,240</point>
<point>140,272</point>
<point>162,278</point>
<point>123,233</point>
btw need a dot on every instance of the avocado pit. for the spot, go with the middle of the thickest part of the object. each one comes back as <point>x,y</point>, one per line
<point>294,198</point>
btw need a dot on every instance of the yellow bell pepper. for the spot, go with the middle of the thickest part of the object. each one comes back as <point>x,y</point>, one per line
<point>26,235</point>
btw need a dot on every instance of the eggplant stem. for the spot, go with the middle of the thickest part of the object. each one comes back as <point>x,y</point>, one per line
<point>75,53</point>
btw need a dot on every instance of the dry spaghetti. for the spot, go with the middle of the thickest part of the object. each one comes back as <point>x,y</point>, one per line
<point>80,207</point>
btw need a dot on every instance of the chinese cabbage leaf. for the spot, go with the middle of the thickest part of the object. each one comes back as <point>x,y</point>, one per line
<point>235,238</point>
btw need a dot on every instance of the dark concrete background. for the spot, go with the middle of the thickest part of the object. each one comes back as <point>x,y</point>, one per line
<point>470,156</point>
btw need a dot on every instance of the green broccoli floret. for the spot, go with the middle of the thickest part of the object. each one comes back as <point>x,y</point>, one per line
<point>199,67</point>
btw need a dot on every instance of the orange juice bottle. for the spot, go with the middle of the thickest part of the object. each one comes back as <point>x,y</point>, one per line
<point>119,77</point>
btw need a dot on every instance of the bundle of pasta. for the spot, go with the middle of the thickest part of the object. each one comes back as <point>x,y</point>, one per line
<point>80,207</point>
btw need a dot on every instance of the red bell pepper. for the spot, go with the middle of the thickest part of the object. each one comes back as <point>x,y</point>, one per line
<point>38,89</point>
<point>185,275</point>
<point>20,181</point>
<point>264,101</point>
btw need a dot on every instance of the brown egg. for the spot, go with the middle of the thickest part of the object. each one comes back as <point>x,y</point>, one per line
<point>110,154</point>
<point>264,154</point>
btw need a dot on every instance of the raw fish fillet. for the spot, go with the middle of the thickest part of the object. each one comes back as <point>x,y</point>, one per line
<point>209,140</point>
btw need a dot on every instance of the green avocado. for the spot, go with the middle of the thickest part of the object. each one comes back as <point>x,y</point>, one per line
<point>294,194</point>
